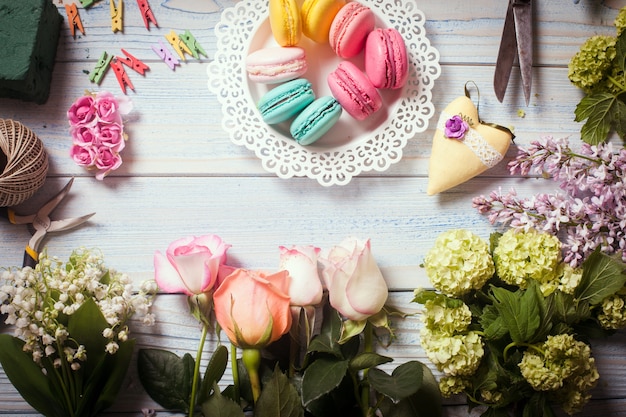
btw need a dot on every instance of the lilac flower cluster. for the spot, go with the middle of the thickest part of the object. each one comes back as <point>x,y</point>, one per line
<point>590,214</point>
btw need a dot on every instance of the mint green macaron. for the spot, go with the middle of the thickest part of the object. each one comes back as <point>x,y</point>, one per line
<point>285,101</point>
<point>315,120</point>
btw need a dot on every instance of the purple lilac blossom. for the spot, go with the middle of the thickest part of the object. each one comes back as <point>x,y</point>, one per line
<point>589,214</point>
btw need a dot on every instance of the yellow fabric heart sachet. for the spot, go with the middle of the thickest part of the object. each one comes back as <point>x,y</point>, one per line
<point>464,146</point>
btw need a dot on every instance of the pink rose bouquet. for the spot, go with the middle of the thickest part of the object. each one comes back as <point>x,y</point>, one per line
<point>305,332</point>
<point>97,131</point>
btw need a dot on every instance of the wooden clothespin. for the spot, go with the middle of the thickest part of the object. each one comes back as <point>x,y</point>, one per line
<point>192,44</point>
<point>121,75</point>
<point>101,68</point>
<point>146,13</point>
<point>87,3</point>
<point>178,45</point>
<point>133,63</point>
<point>73,19</point>
<point>116,15</point>
<point>165,54</point>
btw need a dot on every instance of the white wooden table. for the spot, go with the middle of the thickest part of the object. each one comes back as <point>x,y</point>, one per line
<point>183,176</point>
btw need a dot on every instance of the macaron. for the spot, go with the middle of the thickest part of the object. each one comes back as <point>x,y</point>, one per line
<point>276,64</point>
<point>350,28</point>
<point>317,16</point>
<point>285,100</point>
<point>315,120</point>
<point>354,91</point>
<point>285,22</point>
<point>386,62</point>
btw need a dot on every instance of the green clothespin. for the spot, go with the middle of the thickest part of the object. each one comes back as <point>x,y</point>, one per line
<point>101,68</point>
<point>191,42</point>
<point>87,3</point>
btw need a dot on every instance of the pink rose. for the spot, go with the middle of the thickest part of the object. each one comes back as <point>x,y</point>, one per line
<point>356,287</point>
<point>456,127</point>
<point>110,109</point>
<point>111,136</point>
<point>82,111</point>
<point>83,156</point>
<point>301,261</point>
<point>106,161</point>
<point>84,135</point>
<point>253,308</point>
<point>190,265</point>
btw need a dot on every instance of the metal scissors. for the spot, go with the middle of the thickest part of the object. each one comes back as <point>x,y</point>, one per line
<point>517,41</point>
<point>40,224</point>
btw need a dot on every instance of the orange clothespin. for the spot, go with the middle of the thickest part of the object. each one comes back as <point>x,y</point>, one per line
<point>116,15</point>
<point>134,63</point>
<point>146,13</point>
<point>122,76</point>
<point>178,45</point>
<point>73,19</point>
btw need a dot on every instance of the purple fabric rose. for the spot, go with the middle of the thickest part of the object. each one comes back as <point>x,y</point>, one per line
<point>456,127</point>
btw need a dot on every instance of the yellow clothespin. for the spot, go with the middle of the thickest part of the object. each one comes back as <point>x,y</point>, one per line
<point>178,45</point>
<point>116,15</point>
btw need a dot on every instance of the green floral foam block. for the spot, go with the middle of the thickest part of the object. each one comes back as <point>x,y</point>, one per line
<point>29,33</point>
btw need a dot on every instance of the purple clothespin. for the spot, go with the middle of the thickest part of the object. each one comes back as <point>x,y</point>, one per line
<point>166,55</point>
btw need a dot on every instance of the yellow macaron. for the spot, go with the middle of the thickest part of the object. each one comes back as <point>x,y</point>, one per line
<point>285,22</point>
<point>317,17</point>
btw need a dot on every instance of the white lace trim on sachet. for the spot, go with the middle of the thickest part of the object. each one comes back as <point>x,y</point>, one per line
<point>487,154</point>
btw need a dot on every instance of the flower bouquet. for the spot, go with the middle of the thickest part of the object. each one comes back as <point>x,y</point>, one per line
<point>509,322</point>
<point>305,350</point>
<point>71,347</point>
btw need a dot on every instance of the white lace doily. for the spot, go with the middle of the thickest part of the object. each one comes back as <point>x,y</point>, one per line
<point>350,147</point>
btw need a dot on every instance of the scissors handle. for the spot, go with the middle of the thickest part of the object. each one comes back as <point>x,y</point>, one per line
<point>29,260</point>
<point>4,212</point>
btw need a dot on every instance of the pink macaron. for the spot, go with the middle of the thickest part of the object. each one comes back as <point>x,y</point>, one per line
<point>350,28</point>
<point>386,62</point>
<point>276,64</point>
<point>354,91</point>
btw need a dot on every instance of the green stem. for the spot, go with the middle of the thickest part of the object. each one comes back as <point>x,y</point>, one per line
<point>252,360</point>
<point>196,371</point>
<point>67,381</point>
<point>365,390</point>
<point>515,344</point>
<point>235,371</point>
<point>61,381</point>
<point>617,83</point>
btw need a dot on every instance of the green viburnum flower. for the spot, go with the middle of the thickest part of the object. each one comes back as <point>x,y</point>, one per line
<point>589,66</point>
<point>613,315</point>
<point>620,21</point>
<point>521,256</point>
<point>564,367</point>
<point>458,262</point>
<point>456,355</point>
<point>439,317</point>
<point>452,385</point>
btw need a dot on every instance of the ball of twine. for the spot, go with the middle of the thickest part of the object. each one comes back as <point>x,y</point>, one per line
<point>25,163</point>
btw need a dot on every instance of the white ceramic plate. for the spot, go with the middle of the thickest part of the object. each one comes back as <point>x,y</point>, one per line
<point>348,148</point>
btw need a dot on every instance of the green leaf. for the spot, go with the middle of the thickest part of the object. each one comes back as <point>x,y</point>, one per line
<point>350,329</point>
<point>426,402</point>
<point>368,360</point>
<point>326,341</point>
<point>278,398</point>
<point>220,406</point>
<point>404,381</point>
<point>214,372</point>
<point>113,376</point>
<point>165,377</point>
<point>602,276</point>
<point>27,377</point>
<point>321,377</point>
<point>567,311</point>
<point>86,326</point>
<point>519,311</point>
<point>600,110</point>
<point>492,323</point>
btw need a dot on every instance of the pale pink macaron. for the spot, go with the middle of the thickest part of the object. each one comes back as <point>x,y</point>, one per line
<point>276,64</point>
<point>386,61</point>
<point>354,91</point>
<point>350,28</point>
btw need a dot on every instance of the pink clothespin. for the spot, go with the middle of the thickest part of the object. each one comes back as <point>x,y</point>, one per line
<point>73,19</point>
<point>146,13</point>
<point>165,54</point>
<point>134,63</point>
<point>122,76</point>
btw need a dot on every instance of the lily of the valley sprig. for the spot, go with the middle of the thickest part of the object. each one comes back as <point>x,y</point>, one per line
<point>302,337</point>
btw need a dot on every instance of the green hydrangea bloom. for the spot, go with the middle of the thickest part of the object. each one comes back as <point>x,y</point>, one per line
<point>458,262</point>
<point>564,367</point>
<point>590,65</point>
<point>613,314</point>
<point>457,355</point>
<point>620,21</point>
<point>520,256</point>
<point>437,316</point>
<point>452,385</point>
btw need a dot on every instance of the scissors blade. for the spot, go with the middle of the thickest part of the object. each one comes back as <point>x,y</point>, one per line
<point>47,208</point>
<point>65,224</point>
<point>523,28</point>
<point>506,54</point>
